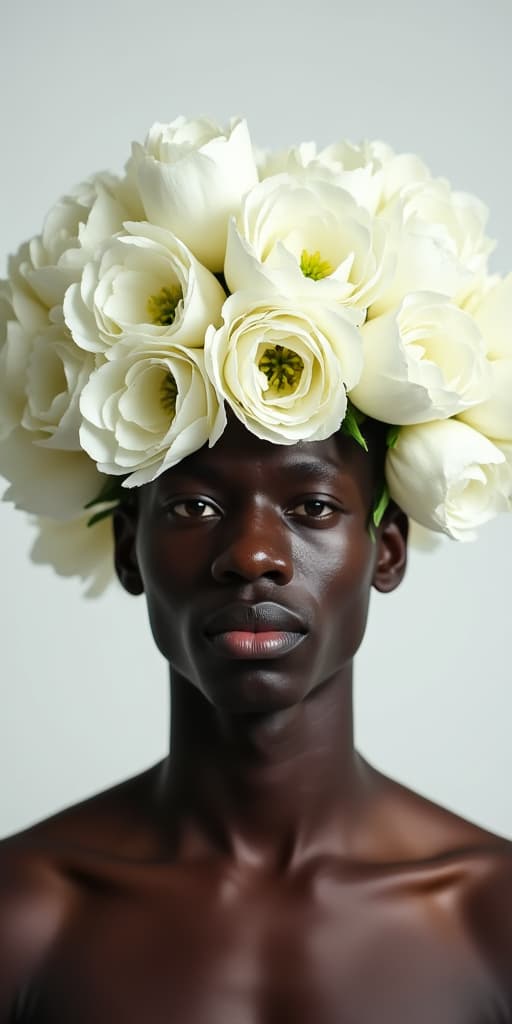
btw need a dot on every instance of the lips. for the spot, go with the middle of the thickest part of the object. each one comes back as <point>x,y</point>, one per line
<point>265,617</point>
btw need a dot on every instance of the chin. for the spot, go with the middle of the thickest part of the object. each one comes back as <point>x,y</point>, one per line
<point>255,691</point>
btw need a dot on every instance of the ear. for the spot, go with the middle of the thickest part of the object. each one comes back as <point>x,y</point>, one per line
<point>391,550</point>
<point>125,555</point>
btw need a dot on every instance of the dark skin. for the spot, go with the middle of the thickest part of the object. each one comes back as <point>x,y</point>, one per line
<point>265,872</point>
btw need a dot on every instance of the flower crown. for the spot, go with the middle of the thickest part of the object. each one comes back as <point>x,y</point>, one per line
<point>304,290</point>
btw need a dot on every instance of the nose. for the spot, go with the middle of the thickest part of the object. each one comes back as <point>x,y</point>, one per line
<point>256,544</point>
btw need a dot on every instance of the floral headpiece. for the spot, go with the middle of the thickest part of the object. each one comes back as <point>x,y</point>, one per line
<point>304,290</point>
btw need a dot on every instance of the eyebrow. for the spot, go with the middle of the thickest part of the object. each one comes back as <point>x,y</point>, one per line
<point>309,466</point>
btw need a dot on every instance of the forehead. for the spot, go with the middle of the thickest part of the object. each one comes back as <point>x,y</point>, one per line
<point>239,458</point>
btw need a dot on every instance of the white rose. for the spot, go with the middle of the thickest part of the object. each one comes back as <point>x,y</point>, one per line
<point>284,370</point>
<point>46,481</point>
<point>448,477</point>
<point>145,287</point>
<point>45,266</point>
<point>145,412</point>
<point>308,237</point>
<point>74,549</point>
<point>494,318</point>
<point>41,377</point>
<point>424,361</point>
<point>191,177</point>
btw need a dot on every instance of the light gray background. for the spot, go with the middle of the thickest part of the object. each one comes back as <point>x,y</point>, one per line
<point>83,692</point>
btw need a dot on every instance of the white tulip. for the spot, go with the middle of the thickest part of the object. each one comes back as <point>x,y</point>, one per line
<point>284,370</point>
<point>424,361</point>
<point>145,412</point>
<point>145,287</point>
<point>494,318</point>
<point>448,477</point>
<point>191,176</point>
<point>309,237</point>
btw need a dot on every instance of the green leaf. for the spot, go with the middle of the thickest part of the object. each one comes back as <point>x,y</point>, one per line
<point>350,425</point>
<point>98,516</point>
<point>111,490</point>
<point>380,505</point>
<point>392,437</point>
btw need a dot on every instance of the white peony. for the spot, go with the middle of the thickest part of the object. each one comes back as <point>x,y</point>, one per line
<point>494,318</point>
<point>145,287</point>
<point>448,477</point>
<point>145,412</point>
<point>191,176</point>
<point>309,237</point>
<point>284,370</point>
<point>424,361</point>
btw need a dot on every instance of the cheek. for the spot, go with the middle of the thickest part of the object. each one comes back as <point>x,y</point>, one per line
<point>345,598</point>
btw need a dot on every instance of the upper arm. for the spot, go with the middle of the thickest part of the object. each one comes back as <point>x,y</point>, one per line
<point>31,913</point>
<point>491,914</point>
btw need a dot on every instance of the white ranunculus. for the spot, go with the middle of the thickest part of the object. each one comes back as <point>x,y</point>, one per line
<point>284,370</point>
<point>494,318</point>
<point>424,361</point>
<point>46,481</point>
<point>309,237</point>
<point>191,176</point>
<point>448,477</point>
<point>44,267</point>
<point>144,288</point>
<point>145,412</point>
<point>72,548</point>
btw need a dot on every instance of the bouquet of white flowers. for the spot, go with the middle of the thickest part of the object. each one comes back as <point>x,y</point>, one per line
<point>304,290</point>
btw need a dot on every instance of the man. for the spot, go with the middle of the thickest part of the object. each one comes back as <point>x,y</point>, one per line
<point>263,872</point>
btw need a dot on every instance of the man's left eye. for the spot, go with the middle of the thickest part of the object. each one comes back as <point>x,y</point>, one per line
<point>315,508</point>
<point>193,508</point>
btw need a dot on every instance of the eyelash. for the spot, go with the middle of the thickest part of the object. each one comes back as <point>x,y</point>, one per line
<point>330,505</point>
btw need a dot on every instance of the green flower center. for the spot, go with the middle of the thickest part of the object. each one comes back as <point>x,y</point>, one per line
<point>282,368</point>
<point>313,266</point>
<point>168,394</point>
<point>162,306</point>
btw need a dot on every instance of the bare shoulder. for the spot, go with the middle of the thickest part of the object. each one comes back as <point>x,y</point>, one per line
<point>42,870</point>
<point>477,861</point>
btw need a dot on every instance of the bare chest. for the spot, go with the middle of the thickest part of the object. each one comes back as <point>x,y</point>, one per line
<point>195,952</point>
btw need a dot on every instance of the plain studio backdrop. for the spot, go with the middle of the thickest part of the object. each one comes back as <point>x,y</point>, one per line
<point>83,691</point>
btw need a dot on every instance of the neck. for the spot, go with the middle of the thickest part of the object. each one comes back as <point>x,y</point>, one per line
<point>264,788</point>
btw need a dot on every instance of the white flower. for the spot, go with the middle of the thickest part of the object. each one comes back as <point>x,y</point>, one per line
<point>45,266</point>
<point>494,318</point>
<point>442,247</point>
<point>145,287</point>
<point>424,361</point>
<point>145,412</point>
<point>74,549</point>
<point>284,370</point>
<point>448,477</point>
<point>191,177</point>
<point>46,481</point>
<point>308,237</point>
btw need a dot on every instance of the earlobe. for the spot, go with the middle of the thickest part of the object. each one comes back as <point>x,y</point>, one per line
<point>125,556</point>
<point>392,551</point>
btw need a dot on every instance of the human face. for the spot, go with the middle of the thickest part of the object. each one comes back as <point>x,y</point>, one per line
<point>245,523</point>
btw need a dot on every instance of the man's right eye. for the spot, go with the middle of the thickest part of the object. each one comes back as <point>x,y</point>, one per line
<point>193,508</point>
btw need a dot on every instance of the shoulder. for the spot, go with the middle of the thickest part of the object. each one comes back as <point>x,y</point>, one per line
<point>46,868</point>
<point>476,863</point>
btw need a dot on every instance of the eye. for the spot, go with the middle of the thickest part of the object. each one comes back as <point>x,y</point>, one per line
<point>193,508</point>
<point>315,508</point>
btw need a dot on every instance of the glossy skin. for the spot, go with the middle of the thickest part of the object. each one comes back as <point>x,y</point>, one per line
<point>265,872</point>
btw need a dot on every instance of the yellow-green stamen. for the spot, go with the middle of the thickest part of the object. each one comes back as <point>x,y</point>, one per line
<point>168,394</point>
<point>162,306</point>
<point>282,368</point>
<point>313,266</point>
